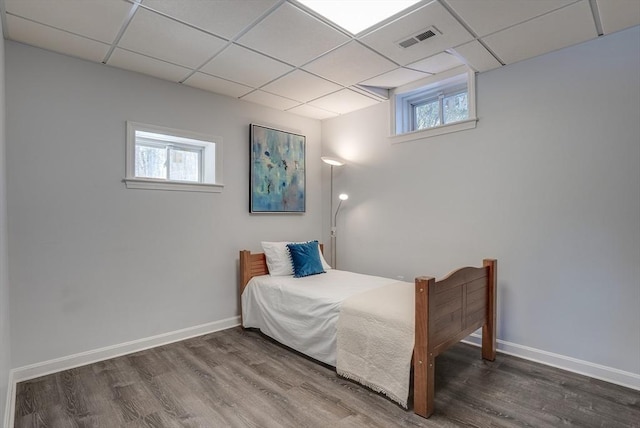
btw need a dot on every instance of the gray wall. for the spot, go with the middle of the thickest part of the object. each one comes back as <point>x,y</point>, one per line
<point>548,183</point>
<point>95,264</point>
<point>5,344</point>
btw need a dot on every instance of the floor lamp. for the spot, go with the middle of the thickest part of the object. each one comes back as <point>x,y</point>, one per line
<point>333,162</point>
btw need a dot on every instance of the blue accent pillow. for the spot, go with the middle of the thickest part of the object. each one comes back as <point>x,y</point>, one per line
<point>305,258</point>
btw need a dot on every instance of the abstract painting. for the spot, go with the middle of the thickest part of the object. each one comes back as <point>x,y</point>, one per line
<point>277,171</point>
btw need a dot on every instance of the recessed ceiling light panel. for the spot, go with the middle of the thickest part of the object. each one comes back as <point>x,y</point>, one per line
<point>357,15</point>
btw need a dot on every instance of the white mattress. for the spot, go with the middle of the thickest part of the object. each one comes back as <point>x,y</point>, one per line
<point>302,312</point>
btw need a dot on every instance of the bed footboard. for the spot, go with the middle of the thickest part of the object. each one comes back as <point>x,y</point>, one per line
<point>446,312</point>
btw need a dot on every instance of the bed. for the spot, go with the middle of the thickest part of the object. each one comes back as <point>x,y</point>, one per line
<point>445,312</point>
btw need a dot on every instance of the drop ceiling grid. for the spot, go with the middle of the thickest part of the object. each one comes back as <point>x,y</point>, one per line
<point>477,56</point>
<point>128,60</point>
<point>385,39</point>
<point>545,33</point>
<point>482,19</point>
<point>229,19</point>
<point>42,36</point>
<point>350,64</point>
<point>168,40</point>
<point>270,100</point>
<point>257,50</point>
<point>301,86</point>
<point>98,20</point>
<point>293,36</point>
<point>436,64</point>
<point>245,66</point>
<point>343,101</point>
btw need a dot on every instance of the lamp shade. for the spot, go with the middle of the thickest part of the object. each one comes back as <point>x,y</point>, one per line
<point>332,161</point>
<point>343,196</point>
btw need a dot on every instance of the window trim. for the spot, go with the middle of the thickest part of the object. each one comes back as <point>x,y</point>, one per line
<point>211,184</point>
<point>401,118</point>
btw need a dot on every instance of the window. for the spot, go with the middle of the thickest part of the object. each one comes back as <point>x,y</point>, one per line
<point>170,159</point>
<point>161,157</point>
<point>442,107</point>
<point>433,106</point>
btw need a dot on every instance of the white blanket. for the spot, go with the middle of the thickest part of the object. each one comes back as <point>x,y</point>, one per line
<point>302,313</point>
<point>375,339</point>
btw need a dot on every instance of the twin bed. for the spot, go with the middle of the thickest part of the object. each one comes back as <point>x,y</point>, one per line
<point>366,326</point>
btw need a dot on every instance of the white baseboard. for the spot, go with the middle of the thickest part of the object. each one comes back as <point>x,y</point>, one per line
<point>596,371</point>
<point>89,357</point>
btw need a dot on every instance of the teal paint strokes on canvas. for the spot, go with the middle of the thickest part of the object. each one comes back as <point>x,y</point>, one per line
<point>278,171</point>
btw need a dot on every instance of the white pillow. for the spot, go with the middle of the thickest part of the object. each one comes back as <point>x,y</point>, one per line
<point>279,261</point>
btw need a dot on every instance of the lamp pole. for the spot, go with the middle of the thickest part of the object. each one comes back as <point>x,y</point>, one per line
<point>342,197</point>
<point>332,162</point>
<point>333,226</point>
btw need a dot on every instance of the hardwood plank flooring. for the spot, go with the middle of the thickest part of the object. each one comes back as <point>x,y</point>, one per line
<point>238,378</point>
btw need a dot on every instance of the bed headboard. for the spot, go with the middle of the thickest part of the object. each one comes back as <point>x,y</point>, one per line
<point>253,265</point>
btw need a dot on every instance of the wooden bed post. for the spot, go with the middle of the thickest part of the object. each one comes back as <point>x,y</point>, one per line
<point>489,327</point>
<point>423,358</point>
<point>245,273</point>
<point>244,277</point>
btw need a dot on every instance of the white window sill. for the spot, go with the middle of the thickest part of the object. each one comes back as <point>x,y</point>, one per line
<point>150,184</point>
<point>463,125</point>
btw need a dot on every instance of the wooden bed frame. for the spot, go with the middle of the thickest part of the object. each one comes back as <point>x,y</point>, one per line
<point>446,312</point>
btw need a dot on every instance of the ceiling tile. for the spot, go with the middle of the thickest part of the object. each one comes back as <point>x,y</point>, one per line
<point>226,18</point>
<point>244,66</point>
<point>217,85</point>
<point>145,65</point>
<point>385,39</point>
<point>99,20</point>
<point>344,101</point>
<point>477,57</point>
<point>395,78</point>
<point>313,112</point>
<point>617,15</point>
<point>488,16</point>
<point>350,64</point>
<point>49,38</point>
<point>154,35</point>
<point>292,35</point>
<point>437,63</point>
<point>270,100</point>
<point>544,34</point>
<point>301,86</point>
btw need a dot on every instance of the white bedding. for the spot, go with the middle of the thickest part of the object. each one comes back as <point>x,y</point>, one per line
<point>376,332</point>
<point>302,313</point>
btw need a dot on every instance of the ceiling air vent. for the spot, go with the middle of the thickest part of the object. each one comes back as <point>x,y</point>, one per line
<point>425,35</point>
<point>408,42</point>
<point>421,36</point>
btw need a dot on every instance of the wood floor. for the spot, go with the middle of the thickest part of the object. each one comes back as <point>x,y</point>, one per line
<point>237,378</point>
